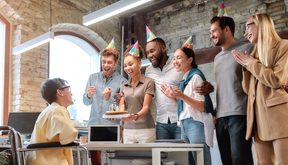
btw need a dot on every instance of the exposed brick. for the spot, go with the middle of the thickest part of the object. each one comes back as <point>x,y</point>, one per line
<point>32,18</point>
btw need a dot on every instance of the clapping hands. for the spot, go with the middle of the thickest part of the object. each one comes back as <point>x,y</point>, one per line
<point>170,92</point>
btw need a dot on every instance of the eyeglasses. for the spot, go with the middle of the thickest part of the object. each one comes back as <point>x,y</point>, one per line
<point>251,23</point>
<point>69,89</point>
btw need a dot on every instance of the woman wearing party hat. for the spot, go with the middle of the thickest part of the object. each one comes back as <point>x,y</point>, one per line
<point>137,96</point>
<point>194,115</point>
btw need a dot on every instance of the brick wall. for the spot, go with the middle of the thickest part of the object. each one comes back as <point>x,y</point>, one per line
<point>31,18</point>
<point>176,22</point>
<point>173,23</point>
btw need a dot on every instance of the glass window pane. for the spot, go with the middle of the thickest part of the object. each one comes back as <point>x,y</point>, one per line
<point>73,59</point>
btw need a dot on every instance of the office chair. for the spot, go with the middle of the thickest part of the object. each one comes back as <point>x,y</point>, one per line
<point>18,150</point>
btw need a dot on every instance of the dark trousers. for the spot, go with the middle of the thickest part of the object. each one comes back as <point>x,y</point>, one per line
<point>234,149</point>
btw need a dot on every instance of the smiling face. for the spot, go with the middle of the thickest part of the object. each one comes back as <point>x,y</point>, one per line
<point>251,32</point>
<point>154,52</point>
<point>216,34</point>
<point>108,65</point>
<point>181,62</point>
<point>132,66</point>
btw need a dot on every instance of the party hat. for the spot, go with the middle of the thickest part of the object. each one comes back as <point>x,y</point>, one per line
<point>111,45</point>
<point>188,43</point>
<point>149,35</point>
<point>222,9</point>
<point>134,51</point>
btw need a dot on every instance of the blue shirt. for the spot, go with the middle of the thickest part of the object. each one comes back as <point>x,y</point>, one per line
<point>99,104</point>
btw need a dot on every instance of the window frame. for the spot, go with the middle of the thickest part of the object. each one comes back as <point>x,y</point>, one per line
<point>6,68</point>
<point>80,36</point>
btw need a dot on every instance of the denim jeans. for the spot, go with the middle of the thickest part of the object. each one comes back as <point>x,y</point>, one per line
<point>233,147</point>
<point>167,131</point>
<point>193,132</point>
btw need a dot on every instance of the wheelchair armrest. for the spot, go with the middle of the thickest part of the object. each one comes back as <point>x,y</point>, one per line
<point>50,145</point>
<point>4,128</point>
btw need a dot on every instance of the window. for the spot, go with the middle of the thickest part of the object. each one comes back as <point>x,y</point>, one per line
<point>73,59</point>
<point>2,69</point>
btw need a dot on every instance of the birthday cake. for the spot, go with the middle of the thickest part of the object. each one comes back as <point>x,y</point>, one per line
<point>116,112</point>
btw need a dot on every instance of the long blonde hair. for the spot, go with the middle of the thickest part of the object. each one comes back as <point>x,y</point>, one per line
<point>267,37</point>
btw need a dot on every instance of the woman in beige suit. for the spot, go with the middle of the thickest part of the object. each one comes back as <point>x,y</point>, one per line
<point>264,75</point>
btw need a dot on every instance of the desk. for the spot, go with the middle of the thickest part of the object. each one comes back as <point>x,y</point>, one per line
<point>156,149</point>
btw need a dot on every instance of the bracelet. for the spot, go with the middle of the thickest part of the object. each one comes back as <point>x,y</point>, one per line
<point>137,116</point>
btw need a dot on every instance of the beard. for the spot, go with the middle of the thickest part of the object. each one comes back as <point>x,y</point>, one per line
<point>158,60</point>
<point>220,41</point>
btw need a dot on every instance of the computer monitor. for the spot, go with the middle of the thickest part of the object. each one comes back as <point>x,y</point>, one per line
<point>104,134</point>
<point>23,122</point>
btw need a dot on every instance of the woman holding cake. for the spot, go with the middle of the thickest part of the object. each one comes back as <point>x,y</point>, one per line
<point>137,96</point>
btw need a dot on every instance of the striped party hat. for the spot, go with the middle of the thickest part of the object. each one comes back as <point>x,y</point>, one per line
<point>149,35</point>
<point>111,45</point>
<point>134,51</point>
<point>222,9</point>
<point>188,43</point>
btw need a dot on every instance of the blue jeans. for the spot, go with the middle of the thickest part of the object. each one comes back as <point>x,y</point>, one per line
<point>167,131</point>
<point>233,147</point>
<point>193,132</point>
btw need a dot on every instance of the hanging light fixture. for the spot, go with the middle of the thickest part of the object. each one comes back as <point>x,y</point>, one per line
<point>37,41</point>
<point>42,39</point>
<point>111,10</point>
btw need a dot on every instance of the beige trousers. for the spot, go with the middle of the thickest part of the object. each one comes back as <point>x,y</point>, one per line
<point>271,152</point>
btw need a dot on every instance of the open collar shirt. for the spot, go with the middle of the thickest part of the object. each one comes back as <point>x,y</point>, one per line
<point>166,107</point>
<point>98,104</point>
<point>134,99</point>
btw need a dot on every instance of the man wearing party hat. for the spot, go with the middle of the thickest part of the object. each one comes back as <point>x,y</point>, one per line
<point>165,76</point>
<point>102,87</point>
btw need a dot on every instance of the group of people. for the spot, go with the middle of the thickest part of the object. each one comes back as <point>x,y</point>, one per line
<point>251,95</point>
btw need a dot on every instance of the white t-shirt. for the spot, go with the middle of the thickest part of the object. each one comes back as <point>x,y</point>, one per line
<point>190,112</point>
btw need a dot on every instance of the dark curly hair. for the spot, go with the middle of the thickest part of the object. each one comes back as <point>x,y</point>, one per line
<point>49,88</point>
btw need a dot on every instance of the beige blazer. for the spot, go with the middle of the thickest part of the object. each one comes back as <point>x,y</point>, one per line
<point>267,109</point>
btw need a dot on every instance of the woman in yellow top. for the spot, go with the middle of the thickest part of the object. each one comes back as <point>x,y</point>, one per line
<point>54,125</point>
<point>264,74</point>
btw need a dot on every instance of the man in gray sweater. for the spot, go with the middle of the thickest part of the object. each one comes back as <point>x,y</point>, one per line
<point>230,97</point>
